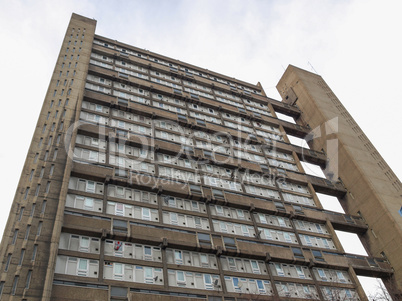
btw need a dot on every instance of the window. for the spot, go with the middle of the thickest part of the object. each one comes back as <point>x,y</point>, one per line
<point>219,210</point>
<point>27,232</point>
<point>236,284</point>
<point>146,214</point>
<point>195,206</point>
<point>47,187</point>
<point>348,293</point>
<point>322,275</point>
<point>28,282</point>
<point>232,264</point>
<point>279,270</point>
<point>51,170</point>
<point>90,187</point>
<point>32,209</point>
<point>118,271</point>
<point>21,213</point>
<point>42,171</point>
<point>82,268</point>
<point>223,227</point>
<point>244,230</point>
<point>39,228</point>
<point>173,218</point>
<point>15,283</point>
<point>340,276</point>
<point>26,193</point>
<point>37,190</point>
<point>55,154</point>
<point>267,234</point>
<point>281,222</point>
<point>14,237</point>
<point>208,281</point>
<point>204,260</point>
<point>204,238</point>
<point>230,243</point>
<point>21,257</point>
<point>180,277</point>
<point>297,252</point>
<point>7,263</point>
<point>147,253</point>
<point>149,275</point>
<point>178,257</point>
<point>300,272</point>
<point>84,244</point>
<point>240,213</point>
<point>317,255</point>
<point>255,267</point>
<point>261,286</point>
<point>325,242</point>
<point>89,204</point>
<point>187,163</point>
<point>262,217</point>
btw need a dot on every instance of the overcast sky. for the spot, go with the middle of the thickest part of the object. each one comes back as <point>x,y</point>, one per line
<point>354,45</point>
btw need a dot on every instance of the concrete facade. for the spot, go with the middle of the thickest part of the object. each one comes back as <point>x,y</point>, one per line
<point>374,191</point>
<point>155,179</point>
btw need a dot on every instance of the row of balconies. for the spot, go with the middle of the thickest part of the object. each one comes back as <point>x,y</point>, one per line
<point>232,199</point>
<point>293,129</point>
<point>187,240</point>
<point>173,149</point>
<point>308,155</point>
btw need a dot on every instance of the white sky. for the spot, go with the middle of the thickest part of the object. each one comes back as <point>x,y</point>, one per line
<point>355,45</point>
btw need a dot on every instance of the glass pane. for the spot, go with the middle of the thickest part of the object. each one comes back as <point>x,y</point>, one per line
<point>204,258</point>
<point>235,282</point>
<point>83,264</point>
<point>254,264</point>
<point>207,279</point>
<point>178,255</point>
<point>91,186</point>
<point>180,276</point>
<point>148,272</point>
<point>88,203</point>
<point>118,268</point>
<point>147,250</point>
<point>84,242</point>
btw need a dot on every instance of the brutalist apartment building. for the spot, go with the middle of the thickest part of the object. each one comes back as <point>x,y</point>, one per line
<point>148,178</point>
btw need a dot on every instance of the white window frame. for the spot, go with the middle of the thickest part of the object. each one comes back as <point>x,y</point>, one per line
<point>181,282</point>
<point>255,267</point>
<point>116,275</point>
<point>81,271</point>
<point>90,186</point>
<point>146,214</point>
<point>147,256</point>
<point>84,247</point>
<point>178,257</point>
